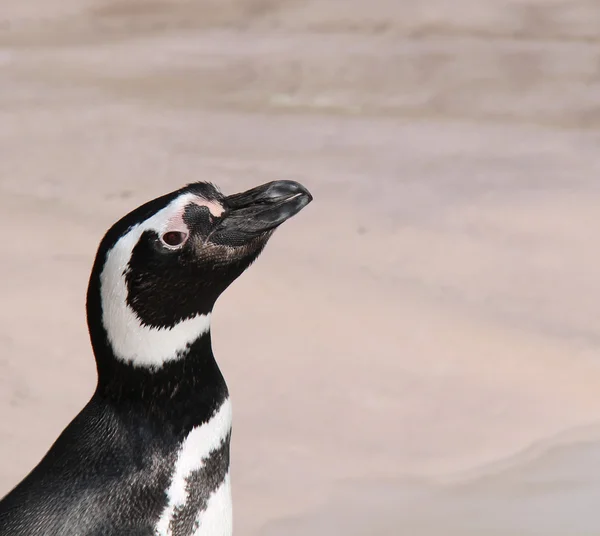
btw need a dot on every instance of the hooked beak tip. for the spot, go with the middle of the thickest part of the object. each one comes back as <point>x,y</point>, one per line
<point>265,207</point>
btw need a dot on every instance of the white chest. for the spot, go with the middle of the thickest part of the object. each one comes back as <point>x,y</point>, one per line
<point>217,519</point>
<point>199,506</point>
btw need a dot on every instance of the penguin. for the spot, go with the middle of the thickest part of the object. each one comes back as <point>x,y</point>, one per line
<point>149,455</point>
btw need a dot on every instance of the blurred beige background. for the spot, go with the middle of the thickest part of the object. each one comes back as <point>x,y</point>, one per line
<point>417,352</point>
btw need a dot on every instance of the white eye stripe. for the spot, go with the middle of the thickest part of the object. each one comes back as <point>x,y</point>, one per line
<point>176,222</point>
<point>131,340</point>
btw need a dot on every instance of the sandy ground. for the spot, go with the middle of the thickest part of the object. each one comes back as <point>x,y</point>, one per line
<point>417,352</point>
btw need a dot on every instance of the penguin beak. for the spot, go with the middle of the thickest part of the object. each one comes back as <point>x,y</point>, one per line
<point>259,210</point>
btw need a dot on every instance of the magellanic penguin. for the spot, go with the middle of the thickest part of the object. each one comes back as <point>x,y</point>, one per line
<point>149,454</point>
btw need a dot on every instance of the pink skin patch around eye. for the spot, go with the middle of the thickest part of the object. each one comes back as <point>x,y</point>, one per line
<point>176,223</point>
<point>216,209</point>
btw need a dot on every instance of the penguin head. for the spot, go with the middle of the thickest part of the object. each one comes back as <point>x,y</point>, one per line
<point>159,270</point>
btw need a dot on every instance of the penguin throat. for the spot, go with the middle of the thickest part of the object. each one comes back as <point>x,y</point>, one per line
<point>173,392</point>
<point>141,345</point>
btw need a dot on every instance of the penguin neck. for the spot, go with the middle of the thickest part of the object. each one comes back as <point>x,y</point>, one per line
<point>184,392</point>
<point>167,374</point>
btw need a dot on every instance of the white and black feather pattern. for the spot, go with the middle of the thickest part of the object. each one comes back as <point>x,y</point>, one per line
<point>199,495</point>
<point>130,338</point>
<point>149,454</point>
<point>161,404</point>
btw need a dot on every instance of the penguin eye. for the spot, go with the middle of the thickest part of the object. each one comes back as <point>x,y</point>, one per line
<point>174,239</point>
